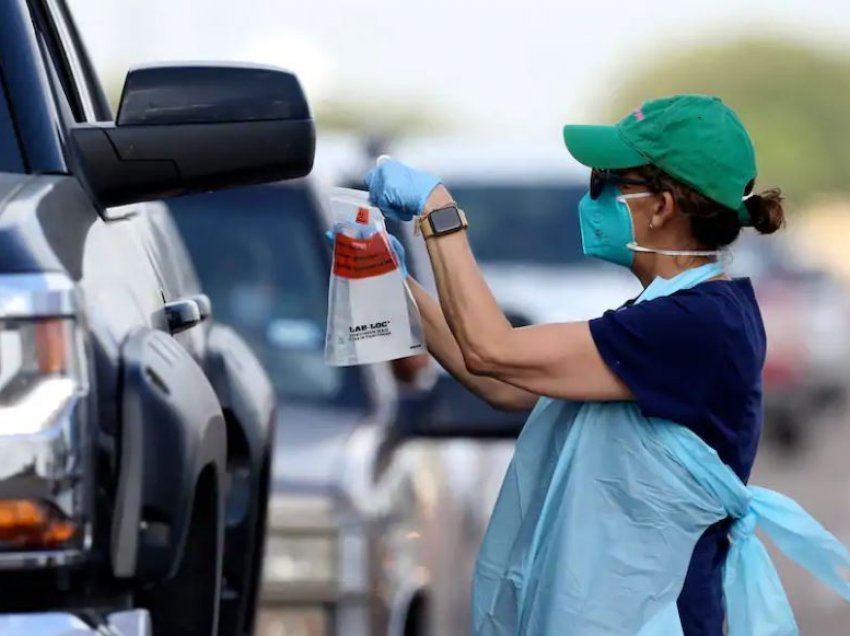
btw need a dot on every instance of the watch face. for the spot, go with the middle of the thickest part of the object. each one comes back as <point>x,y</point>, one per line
<point>445,220</point>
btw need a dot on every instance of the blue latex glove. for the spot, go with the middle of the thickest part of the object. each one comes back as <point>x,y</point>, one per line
<point>399,191</point>
<point>395,244</point>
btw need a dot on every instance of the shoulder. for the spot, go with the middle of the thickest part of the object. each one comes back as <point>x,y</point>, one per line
<point>728,307</point>
<point>730,299</point>
<point>700,317</point>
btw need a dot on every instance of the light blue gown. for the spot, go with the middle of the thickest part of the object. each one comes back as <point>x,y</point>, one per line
<point>599,514</point>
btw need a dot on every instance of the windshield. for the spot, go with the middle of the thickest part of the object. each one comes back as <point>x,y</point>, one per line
<point>10,156</point>
<point>523,222</point>
<point>262,260</point>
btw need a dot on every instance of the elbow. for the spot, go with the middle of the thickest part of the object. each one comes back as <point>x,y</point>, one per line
<point>486,353</point>
<point>479,361</point>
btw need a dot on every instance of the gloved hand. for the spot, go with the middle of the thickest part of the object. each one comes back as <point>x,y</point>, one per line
<point>398,190</point>
<point>395,244</point>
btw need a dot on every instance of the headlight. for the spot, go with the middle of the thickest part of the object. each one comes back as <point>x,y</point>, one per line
<point>40,374</point>
<point>313,621</point>
<point>301,559</point>
<point>43,385</point>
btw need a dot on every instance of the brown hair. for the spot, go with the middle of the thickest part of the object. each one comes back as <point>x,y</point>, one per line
<point>714,225</point>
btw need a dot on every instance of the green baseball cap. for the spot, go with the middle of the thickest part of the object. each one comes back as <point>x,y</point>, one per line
<point>696,139</point>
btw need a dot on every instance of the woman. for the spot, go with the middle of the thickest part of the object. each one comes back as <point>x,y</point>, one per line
<point>580,546</point>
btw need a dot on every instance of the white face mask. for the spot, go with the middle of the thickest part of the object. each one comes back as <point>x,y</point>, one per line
<point>634,247</point>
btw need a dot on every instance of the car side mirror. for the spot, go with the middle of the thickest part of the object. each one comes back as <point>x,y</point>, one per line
<point>192,128</point>
<point>449,410</point>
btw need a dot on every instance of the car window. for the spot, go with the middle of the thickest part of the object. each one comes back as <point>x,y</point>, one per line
<point>92,98</point>
<point>10,152</point>
<point>262,259</point>
<point>64,59</point>
<point>522,223</point>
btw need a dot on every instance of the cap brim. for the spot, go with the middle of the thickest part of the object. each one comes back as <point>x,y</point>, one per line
<point>601,147</point>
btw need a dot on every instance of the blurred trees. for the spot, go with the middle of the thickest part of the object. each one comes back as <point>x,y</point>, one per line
<point>386,117</point>
<point>793,99</point>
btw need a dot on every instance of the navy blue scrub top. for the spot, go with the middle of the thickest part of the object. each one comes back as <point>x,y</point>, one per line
<point>695,357</point>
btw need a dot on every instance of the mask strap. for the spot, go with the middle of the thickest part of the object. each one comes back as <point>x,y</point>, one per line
<point>635,195</point>
<point>649,250</point>
<point>633,246</point>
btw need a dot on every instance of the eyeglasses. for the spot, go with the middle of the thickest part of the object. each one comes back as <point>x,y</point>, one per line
<point>600,178</point>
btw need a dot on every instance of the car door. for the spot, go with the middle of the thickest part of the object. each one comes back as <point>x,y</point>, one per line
<point>142,376</point>
<point>141,231</point>
<point>101,249</point>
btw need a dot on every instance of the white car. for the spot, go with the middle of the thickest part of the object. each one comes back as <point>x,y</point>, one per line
<point>522,203</point>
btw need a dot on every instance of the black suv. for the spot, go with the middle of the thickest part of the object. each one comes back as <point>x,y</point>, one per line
<point>135,433</point>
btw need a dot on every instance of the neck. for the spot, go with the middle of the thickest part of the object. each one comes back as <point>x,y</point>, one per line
<point>647,267</point>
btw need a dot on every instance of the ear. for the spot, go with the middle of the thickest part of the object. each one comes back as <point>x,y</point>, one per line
<point>664,209</point>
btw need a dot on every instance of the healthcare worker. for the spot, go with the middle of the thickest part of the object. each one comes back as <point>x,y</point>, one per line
<point>616,512</point>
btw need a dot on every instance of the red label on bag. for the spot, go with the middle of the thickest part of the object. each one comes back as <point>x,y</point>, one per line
<point>362,216</point>
<point>363,258</point>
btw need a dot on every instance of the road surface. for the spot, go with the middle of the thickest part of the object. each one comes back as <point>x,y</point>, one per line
<point>819,480</point>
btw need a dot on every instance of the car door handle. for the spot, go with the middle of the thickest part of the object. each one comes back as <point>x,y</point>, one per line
<point>182,314</point>
<point>204,305</point>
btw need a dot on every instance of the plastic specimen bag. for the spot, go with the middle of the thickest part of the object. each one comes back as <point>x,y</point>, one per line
<point>372,316</point>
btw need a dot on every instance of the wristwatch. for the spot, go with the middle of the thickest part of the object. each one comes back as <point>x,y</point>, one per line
<point>442,221</point>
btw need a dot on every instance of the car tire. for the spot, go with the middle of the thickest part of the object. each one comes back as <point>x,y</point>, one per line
<point>418,617</point>
<point>258,517</point>
<point>786,432</point>
<point>187,604</point>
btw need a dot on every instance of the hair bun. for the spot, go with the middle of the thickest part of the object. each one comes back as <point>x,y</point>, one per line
<point>766,210</point>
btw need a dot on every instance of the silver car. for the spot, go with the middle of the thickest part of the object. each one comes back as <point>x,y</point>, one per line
<point>377,508</point>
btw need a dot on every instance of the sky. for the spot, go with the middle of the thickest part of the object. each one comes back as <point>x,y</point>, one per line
<point>518,69</point>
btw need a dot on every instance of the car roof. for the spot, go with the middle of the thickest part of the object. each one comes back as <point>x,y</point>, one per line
<point>458,160</point>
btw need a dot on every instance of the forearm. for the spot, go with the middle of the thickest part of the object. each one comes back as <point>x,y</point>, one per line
<point>474,317</point>
<point>468,331</point>
<point>443,346</point>
<point>555,360</point>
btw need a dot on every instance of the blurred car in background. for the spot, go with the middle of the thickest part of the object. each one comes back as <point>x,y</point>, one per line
<point>806,312</point>
<point>522,202</point>
<point>366,529</point>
